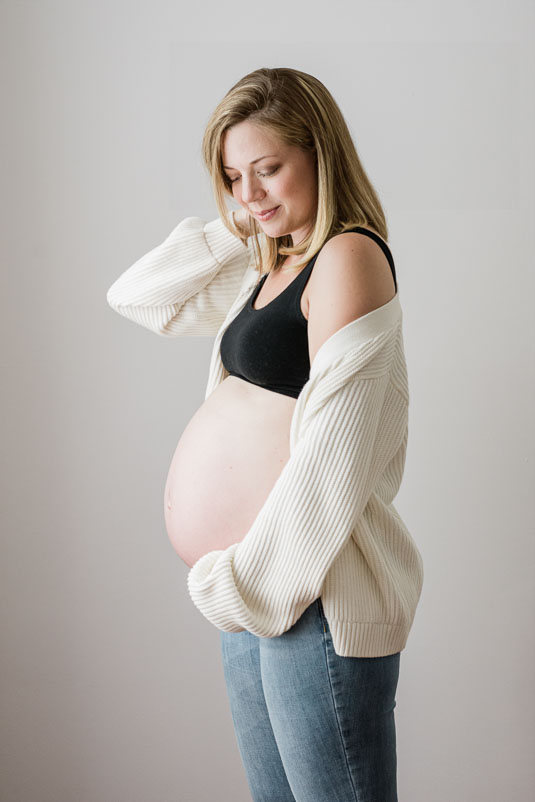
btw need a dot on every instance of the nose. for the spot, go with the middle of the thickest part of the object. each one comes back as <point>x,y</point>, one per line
<point>251,190</point>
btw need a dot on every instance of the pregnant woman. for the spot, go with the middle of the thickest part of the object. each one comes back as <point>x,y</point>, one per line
<point>280,493</point>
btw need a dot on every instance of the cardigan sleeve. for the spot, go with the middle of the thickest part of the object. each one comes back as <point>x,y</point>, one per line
<point>185,285</point>
<point>265,582</point>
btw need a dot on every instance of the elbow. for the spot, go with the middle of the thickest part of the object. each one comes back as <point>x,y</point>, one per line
<point>112,300</point>
<point>159,320</point>
<point>156,326</point>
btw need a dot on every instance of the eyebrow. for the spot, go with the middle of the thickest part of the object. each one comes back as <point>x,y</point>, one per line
<point>253,161</point>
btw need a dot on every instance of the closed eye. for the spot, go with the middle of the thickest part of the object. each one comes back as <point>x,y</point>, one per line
<point>264,175</point>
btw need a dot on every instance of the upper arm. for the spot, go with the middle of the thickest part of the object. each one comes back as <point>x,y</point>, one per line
<point>351,277</point>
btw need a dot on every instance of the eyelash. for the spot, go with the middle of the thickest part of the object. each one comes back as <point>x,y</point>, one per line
<point>264,175</point>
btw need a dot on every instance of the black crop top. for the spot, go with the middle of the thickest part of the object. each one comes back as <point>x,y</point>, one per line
<point>269,346</point>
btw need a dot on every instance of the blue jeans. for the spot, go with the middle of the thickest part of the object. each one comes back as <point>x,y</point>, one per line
<point>312,726</point>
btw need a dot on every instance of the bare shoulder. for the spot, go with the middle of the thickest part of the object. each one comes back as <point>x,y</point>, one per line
<point>356,251</point>
<point>351,277</point>
<point>352,266</point>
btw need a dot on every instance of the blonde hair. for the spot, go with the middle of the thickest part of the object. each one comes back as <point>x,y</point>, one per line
<point>299,110</point>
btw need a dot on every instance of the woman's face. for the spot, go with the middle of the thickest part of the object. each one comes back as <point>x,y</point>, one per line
<point>282,176</point>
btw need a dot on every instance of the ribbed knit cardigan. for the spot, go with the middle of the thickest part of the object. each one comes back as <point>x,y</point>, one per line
<point>328,527</point>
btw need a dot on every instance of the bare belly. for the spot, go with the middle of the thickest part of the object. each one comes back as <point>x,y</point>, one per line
<point>226,462</point>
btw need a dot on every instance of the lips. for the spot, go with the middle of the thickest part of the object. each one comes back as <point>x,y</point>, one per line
<point>267,213</point>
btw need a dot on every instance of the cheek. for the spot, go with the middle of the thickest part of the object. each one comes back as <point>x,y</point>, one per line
<point>287,188</point>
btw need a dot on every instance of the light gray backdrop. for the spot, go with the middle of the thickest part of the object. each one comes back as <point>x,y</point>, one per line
<point>112,687</point>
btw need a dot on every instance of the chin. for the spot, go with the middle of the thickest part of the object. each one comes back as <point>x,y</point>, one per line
<point>275,225</point>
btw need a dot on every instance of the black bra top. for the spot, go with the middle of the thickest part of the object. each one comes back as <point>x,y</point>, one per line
<point>269,346</point>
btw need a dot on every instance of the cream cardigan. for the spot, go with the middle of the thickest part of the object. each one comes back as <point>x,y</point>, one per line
<point>328,527</point>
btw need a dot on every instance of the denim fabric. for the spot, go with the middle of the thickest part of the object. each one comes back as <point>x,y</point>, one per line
<point>312,726</point>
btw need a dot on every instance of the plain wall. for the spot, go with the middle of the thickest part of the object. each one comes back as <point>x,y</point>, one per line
<point>111,681</point>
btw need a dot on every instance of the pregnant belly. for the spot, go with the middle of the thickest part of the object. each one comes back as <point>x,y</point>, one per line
<point>226,462</point>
